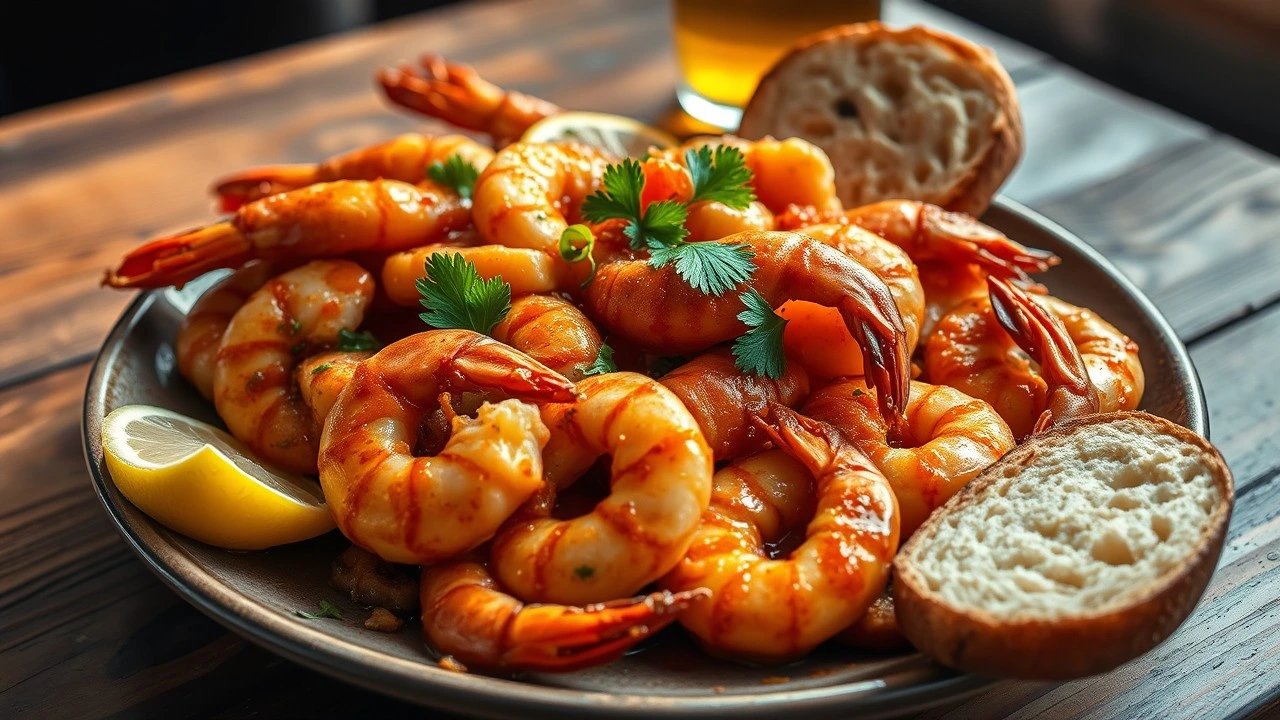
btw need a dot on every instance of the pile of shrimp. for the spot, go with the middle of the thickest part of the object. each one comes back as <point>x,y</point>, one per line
<point>561,515</point>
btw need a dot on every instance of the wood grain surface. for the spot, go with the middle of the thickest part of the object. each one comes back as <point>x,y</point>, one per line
<point>86,631</point>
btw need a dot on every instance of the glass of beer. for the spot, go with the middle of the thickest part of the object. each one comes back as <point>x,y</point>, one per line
<point>724,47</point>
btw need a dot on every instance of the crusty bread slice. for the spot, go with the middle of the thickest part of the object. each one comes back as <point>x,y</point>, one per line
<point>915,114</point>
<point>1079,550</point>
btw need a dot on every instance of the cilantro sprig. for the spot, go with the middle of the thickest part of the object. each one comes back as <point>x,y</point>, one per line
<point>456,173</point>
<point>759,350</point>
<point>710,268</point>
<point>362,341</point>
<point>603,363</point>
<point>455,296</point>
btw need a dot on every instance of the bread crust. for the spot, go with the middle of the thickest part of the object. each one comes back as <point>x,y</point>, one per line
<point>979,642</point>
<point>973,189</point>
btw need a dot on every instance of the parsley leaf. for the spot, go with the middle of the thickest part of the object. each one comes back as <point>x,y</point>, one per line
<point>455,173</point>
<point>722,176</point>
<point>619,195</point>
<point>327,610</point>
<point>577,253</point>
<point>603,363</point>
<point>759,350</point>
<point>711,268</point>
<point>356,341</point>
<point>456,297</point>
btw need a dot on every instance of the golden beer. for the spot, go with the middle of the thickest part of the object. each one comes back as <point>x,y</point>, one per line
<point>723,47</point>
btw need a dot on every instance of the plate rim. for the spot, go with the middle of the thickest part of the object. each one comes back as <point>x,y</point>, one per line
<point>499,697</point>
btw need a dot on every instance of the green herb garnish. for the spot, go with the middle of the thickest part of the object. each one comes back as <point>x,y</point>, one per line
<point>759,350</point>
<point>721,176</point>
<point>455,296</point>
<point>327,610</point>
<point>603,362</point>
<point>362,341</point>
<point>455,173</point>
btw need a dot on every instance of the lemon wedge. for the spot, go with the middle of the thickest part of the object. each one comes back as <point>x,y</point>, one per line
<point>200,481</point>
<point>619,135</point>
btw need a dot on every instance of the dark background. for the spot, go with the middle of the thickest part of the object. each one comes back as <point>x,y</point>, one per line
<point>1217,61</point>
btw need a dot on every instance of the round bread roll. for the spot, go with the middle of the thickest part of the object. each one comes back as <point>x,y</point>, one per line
<point>911,114</point>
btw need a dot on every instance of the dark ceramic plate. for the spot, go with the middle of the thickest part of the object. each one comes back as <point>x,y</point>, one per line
<point>256,594</point>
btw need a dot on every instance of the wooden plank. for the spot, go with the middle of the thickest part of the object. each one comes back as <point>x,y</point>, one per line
<point>1080,132</point>
<point>1196,228</point>
<point>1224,659</point>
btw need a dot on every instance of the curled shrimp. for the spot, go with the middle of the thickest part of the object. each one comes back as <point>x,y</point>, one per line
<point>775,610</point>
<point>552,331</point>
<point>281,323</point>
<point>724,400</point>
<point>321,220</point>
<point>946,286</point>
<point>196,345</point>
<point>526,271</point>
<point>404,158</point>
<point>456,94</point>
<point>322,377</point>
<point>465,615</point>
<point>816,336</point>
<point>531,192</point>
<point>412,509</point>
<point>950,438</point>
<point>661,483</point>
<point>678,319</point>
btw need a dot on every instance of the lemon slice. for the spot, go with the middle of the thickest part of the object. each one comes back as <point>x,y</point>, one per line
<point>619,135</point>
<point>200,481</point>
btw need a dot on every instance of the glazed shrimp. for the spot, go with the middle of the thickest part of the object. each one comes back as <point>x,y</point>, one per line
<point>946,286</point>
<point>404,158</point>
<point>987,346</point>
<point>526,271</point>
<point>197,343</point>
<point>950,438</point>
<point>816,336</point>
<point>678,319</point>
<point>724,400</point>
<point>775,610</point>
<point>531,192</point>
<point>552,331</point>
<point>466,616</point>
<point>321,220</point>
<point>661,483</point>
<point>281,323</point>
<point>322,377</point>
<point>417,510</point>
<point>456,94</point>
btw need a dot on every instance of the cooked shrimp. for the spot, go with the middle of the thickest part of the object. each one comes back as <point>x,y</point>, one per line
<point>322,377</point>
<point>321,220</point>
<point>676,319</point>
<point>877,630</point>
<point>710,220</point>
<point>775,610</point>
<point>281,323</point>
<point>404,158</point>
<point>950,438</point>
<point>724,400</point>
<point>422,509</point>
<point>1036,361</point>
<point>465,615</point>
<point>531,192</point>
<point>661,483</point>
<point>816,336</point>
<point>947,285</point>
<point>197,343</point>
<point>527,271</point>
<point>552,331</point>
<point>456,94</point>
<point>783,172</point>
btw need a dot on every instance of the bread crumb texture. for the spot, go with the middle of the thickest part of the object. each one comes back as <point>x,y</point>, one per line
<point>910,116</point>
<point>1089,526</point>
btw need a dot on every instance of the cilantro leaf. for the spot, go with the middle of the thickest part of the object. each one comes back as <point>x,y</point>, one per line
<point>711,268</point>
<point>349,341</point>
<point>327,610</point>
<point>456,297</point>
<point>759,350</point>
<point>603,362</point>
<point>456,173</point>
<point>619,196</point>
<point>663,223</point>
<point>722,176</point>
<point>577,253</point>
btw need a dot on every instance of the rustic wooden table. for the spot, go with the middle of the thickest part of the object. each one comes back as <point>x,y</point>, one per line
<point>86,630</point>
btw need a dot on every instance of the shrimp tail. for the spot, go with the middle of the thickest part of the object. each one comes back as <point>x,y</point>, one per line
<point>885,360</point>
<point>560,638</point>
<point>1043,336</point>
<point>178,259</point>
<point>499,367</point>
<point>235,190</point>
<point>963,239</point>
<point>810,441</point>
